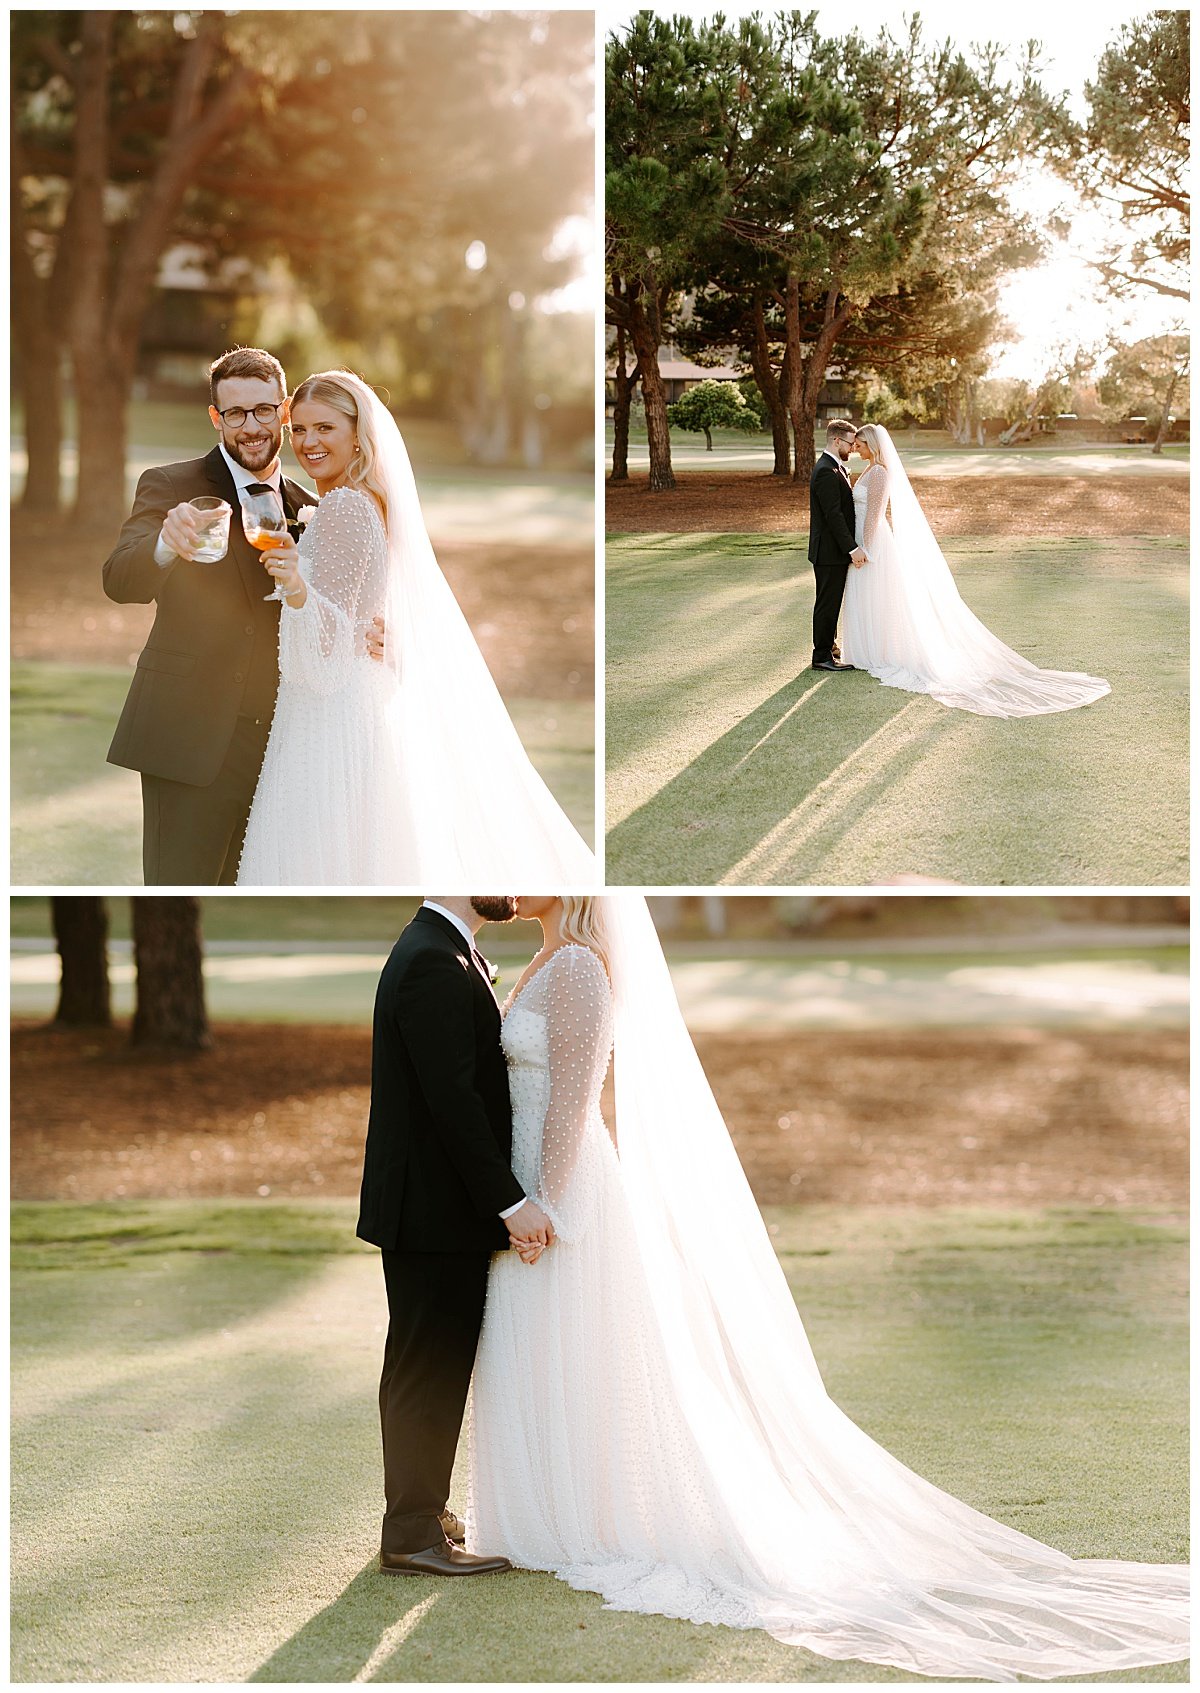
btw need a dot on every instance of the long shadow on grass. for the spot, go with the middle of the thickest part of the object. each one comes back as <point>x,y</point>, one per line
<point>339,1641</point>
<point>749,781</point>
<point>174,1501</point>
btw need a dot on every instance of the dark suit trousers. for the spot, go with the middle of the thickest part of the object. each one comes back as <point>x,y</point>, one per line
<point>435,1307</point>
<point>192,836</point>
<point>831,586</point>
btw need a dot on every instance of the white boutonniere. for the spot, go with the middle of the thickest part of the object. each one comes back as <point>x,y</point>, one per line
<point>303,515</point>
<point>493,971</point>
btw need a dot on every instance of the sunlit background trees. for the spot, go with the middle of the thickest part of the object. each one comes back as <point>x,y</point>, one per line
<point>836,215</point>
<point>405,192</point>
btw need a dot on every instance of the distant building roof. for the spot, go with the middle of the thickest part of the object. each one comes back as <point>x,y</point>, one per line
<point>683,370</point>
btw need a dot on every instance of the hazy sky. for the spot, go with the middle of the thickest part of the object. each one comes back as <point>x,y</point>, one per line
<point>1058,300</point>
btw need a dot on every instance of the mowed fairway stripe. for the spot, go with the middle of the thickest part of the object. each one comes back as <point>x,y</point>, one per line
<point>831,796</point>
<point>717,735</point>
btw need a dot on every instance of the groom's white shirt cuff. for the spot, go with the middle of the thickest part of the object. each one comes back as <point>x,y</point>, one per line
<point>242,478</point>
<point>432,905</point>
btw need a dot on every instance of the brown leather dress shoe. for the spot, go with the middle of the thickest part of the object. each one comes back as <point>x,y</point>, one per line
<point>440,1560</point>
<point>454,1528</point>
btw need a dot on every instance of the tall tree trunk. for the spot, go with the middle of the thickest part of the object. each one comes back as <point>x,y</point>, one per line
<point>793,393</point>
<point>771,388</point>
<point>623,386</point>
<point>38,359</point>
<point>40,385</point>
<point>103,380</point>
<point>100,491</point>
<point>645,338</point>
<point>808,379</point>
<point>1165,420</point>
<point>81,936</point>
<point>168,955</point>
<point>114,271</point>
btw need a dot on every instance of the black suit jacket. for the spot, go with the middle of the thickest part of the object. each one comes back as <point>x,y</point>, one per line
<point>437,1172</point>
<point>213,652</point>
<point>830,515</point>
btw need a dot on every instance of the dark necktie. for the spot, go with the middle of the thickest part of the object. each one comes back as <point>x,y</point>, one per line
<point>484,968</point>
<point>265,488</point>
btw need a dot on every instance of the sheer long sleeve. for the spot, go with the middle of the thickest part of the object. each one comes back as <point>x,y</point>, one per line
<point>344,563</point>
<point>579,1036</point>
<point>878,487</point>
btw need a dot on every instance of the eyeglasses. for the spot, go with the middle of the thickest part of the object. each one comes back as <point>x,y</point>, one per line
<point>235,416</point>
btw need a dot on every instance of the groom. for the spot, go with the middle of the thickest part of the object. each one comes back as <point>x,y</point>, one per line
<point>831,548</point>
<point>439,1197</point>
<point>196,720</point>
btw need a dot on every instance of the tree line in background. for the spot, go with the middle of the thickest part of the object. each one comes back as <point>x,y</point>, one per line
<point>800,199</point>
<point>357,158</point>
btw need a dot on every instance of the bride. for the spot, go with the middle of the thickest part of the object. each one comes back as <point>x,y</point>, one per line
<point>383,773</point>
<point>903,619</point>
<point>648,1421</point>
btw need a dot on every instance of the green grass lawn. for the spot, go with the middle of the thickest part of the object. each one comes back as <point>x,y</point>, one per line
<point>77,820</point>
<point>195,1471</point>
<point>729,761</point>
<point>925,454</point>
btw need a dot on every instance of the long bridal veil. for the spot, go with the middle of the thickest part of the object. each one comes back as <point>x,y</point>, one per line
<point>829,1542</point>
<point>960,662</point>
<point>477,810</point>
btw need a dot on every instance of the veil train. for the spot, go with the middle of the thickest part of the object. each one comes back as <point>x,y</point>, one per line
<point>949,653</point>
<point>478,812</point>
<point>864,1559</point>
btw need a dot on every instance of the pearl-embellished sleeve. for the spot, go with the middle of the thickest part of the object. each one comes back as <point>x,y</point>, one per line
<point>877,486</point>
<point>343,559</point>
<point>578,1010</point>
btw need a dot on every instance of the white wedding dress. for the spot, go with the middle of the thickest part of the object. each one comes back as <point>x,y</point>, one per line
<point>406,771</point>
<point>904,621</point>
<point>325,811</point>
<point>645,1436</point>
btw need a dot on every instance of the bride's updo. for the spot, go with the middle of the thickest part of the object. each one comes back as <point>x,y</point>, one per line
<point>583,922</point>
<point>330,388</point>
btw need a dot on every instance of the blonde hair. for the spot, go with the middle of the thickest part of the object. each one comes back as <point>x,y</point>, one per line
<point>583,923</point>
<point>870,435</point>
<point>330,388</point>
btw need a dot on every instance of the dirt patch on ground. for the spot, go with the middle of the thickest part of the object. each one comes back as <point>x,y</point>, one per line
<point>531,608</point>
<point>743,503</point>
<point>1013,1116</point>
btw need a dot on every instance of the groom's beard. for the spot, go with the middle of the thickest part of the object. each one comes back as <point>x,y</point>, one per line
<point>257,458</point>
<point>495,908</point>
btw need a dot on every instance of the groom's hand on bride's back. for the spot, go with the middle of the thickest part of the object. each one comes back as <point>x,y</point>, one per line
<point>376,635</point>
<point>529,1226</point>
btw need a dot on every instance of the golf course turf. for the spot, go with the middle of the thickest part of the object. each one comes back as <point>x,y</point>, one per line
<point>730,762</point>
<point>196,1480</point>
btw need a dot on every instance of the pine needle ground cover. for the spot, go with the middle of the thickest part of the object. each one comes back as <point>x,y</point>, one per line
<point>195,1467</point>
<point>730,762</point>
